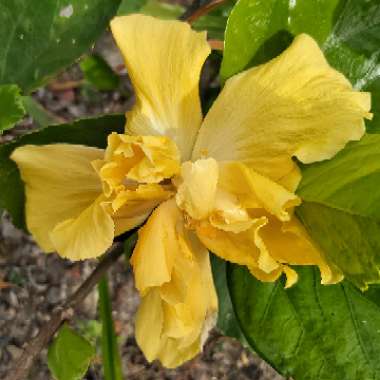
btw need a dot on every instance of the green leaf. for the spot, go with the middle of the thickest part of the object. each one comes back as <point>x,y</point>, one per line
<point>310,331</point>
<point>227,322</point>
<point>130,6</point>
<point>258,30</point>
<point>91,132</point>
<point>214,22</point>
<point>353,49</point>
<point>155,8</point>
<point>39,38</point>
<point>341,209</point>
<point>40,115</point>
<point>69,355</point>
<point>11,106</point>
<point>110,350</point>
<point>98,73</point>
<point>162,9</point>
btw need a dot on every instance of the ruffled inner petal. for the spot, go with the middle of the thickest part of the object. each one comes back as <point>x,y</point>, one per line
<point>171,264</point>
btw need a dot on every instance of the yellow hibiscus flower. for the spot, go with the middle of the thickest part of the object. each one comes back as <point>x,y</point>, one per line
<point>225,184</point>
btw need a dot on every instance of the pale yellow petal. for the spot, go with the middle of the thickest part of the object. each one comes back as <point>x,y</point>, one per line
<point>196,193</point>
<point>239,248</point>
<point>172,357</point>
<point>132,159</point>
<point>152,258</point>
<point>289,243</point>
<point>60,184</point>
<point>130,208</point>
<point>293,106</point>
<point>254,190</point>
<point>185,298</point>
<point>164,61</point>
<point>86,236</point>
<point>228,214</point>
<point>291,276</point>
<point>266,277</point>
<point>149,324</point>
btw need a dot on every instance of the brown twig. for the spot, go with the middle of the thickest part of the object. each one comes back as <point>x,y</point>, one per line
<point>64,86</point>
<point>23,365</point>
<point>197,9</point>
<point>216,44</point>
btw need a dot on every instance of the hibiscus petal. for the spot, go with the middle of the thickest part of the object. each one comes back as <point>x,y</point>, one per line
<point>152,258</point>
<point>185,299</point>
<point>132,159</point>
<point>257,191</point>
<point>196,193</point>
<point>164,61</point>
<point>149,324</point>
<point>60,184</point>
<point>87,236</point>
<point>295,105</point>
<point>289,243</point>
<point>239,248</point>
<point>131,207</point>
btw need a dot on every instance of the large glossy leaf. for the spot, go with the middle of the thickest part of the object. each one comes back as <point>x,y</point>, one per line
<point>41,37</point>
<point>260,29</point>
<point>341,209</point>
<point>354,49</point>
<point>11,106</point>
<point>69,355</point>
<point>91,132</point>
<point>310,331</point>
<point>227,322</point>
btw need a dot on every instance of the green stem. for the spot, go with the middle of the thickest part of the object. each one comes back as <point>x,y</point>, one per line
<point>110,350</point>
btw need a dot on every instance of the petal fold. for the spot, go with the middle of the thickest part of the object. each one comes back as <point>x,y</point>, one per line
<point>87,236</point>
<point>164,61</point>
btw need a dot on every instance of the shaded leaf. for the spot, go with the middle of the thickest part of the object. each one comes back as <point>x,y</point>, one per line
<point>214,22</point>
<point>69,355</point>
<point>227,322</point>
<point>41,116</point>
<point>354,49</point>
<point>130,6</point>
<point>341,209</point>
<point>39,38</point>
<point>98,73</point>
<point>11,107</point>
<point>91,132</point>
<point>129,246</point>
<point>258,30</point>
<point>162,9</point>
<point>310,331</point>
